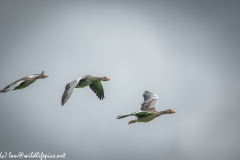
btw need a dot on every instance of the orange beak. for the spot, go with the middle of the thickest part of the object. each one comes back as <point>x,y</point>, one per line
<point>172,111</point>
<point>107,79</point>
<point>45,76</point>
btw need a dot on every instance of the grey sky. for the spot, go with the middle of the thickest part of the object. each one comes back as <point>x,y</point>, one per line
<point>186,52</point>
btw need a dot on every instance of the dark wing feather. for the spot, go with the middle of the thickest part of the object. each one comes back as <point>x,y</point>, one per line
<point>97,88</point>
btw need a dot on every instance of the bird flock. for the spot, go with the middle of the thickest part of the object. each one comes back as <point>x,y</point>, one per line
<point>146,114</point>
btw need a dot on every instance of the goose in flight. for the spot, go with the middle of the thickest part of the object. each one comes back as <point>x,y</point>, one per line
<point>23,82</point>
<point>148,111</point>
<point>93,82</point>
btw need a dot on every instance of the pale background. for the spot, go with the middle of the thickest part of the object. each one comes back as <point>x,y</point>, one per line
<point>187,52</point>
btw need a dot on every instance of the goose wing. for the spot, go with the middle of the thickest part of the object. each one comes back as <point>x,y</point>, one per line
<point>142,113</point>
<point>97,88</point>
<point>149,101</point>
<point>69,90</point>
<point>148,95</point>
<point>13,85</point>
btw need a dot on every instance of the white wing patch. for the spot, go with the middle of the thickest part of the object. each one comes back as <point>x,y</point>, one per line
<point>33,76</point>
<point>155,96</point>
<point>78,79</point>
<point>14,85</point>
<point>135,118</point>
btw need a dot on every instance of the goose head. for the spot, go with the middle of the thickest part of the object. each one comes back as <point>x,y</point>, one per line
<point>42,75</point>
<point>169,111</point>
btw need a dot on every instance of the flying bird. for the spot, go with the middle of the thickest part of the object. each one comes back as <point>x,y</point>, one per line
<point>23,82</point>
<point>148,111</point>
<point>93,82</point>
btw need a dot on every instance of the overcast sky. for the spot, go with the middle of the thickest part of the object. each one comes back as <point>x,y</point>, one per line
<point>186,52</point>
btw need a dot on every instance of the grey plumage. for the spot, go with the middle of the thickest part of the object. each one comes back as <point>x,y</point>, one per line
<point>93,82</point>
<point>148,111</point>
<point>149,100</point>
<point>69,90</point>
<point>23,82</point>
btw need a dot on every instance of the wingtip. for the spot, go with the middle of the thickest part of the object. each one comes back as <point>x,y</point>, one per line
<point>101,98</point>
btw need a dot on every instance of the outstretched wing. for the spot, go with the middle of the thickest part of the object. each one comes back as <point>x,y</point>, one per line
<point>13,85</point>
<point>148,95</point>
<point>69,90</point>
<point>149,101</point>
<point>97,88</point>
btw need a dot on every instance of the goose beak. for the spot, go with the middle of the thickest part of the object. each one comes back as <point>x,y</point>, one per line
<point>107,79</point>
<point>172,111</point>
<point>45,76</point>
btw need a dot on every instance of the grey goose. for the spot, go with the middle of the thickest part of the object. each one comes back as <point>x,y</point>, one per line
<point>23,82</point>
<point>148,111</point>
<point>93,82</point>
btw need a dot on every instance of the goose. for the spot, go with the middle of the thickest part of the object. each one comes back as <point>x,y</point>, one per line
<point>148,111</point>
<point>23,82</point>
<point>93,82</point>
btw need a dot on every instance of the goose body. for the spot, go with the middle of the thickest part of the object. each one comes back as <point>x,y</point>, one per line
<point>148,111</point>
<point>93,82</point>
<point>23,82</point>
